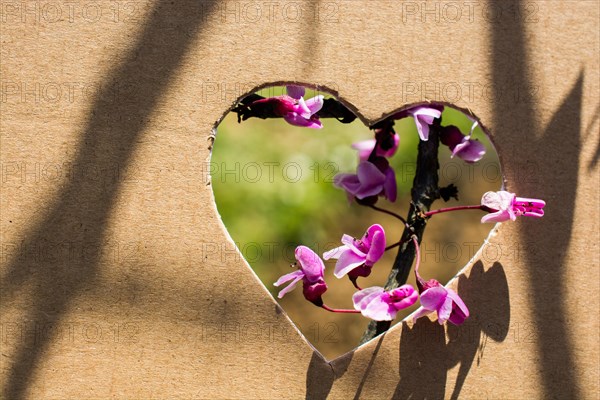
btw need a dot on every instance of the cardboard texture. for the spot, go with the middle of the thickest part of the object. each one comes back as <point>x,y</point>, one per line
<point>119,280</point>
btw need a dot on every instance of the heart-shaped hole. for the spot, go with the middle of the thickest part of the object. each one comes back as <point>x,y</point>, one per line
<point>273,186</point>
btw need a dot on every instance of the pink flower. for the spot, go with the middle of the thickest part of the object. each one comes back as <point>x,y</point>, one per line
<point>310,273</point>
<point>505,205</point>
<point>357,257</point>
<point>293,108</point>
<point>295,91</point>
<point>375,178</point>
<point>387,147</point>
<point>424,117</point>
<point>379,305</point>
<point>435,297</point>
<point>470,150</point>
<point>446,302</point>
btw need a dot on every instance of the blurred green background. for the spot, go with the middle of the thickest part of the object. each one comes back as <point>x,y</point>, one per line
<point>273,188</point>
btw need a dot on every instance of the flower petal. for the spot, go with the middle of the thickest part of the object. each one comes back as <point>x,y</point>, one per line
<point>296,276</point>
<point>379,310</point>
<point>362,298</point>
<point>498,216</point>
<point>377,247</point>
<point>460,312</point>
<point>531,202</point>
<point>315,104</point>
<point>334,253</point>
<point>288,288</point>
<point>371,180</point>
<point>458,301</point>
<point>422,128</point>
<point>348,182</point>
<point>288,277</point>
<point>293,118</point>
<point>444,311</point>
<point>368,172</point>
<point>389,186</point>
<point>403,297</point>
<point>295,91</point>
<point>421,312</point>
<point>364,148</point>
<point>311,263</point>
<point>469,150</point>
<point>347,262</point>
<point>500,200</point>
<point>424,117</point>
<point>434,297</point>
<point>351,243</point>
<point>302,108</point>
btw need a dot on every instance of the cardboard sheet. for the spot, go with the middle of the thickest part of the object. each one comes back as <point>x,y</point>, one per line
<point>117,277</point>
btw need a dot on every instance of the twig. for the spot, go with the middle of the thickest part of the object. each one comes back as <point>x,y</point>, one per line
<point>424,192</point>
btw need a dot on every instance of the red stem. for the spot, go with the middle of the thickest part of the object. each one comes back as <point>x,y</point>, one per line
<point>417,253</point>
<point>420,281</point>
<point>457,208</point>
<point>340,310</point>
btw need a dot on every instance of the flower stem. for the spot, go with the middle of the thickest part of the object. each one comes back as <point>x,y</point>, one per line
<point>355,284</point>
<point>398,243</point>
<point>457,208</point>
<point>374,207</point>
<point>391,246</point>
<point>339,310</point>
<point>417,252</point>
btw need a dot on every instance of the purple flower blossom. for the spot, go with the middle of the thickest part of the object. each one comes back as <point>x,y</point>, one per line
<point>365,147</point>
<point>446,302</point>
<point>379,305</point>
<point>423,115</point>
<point>375,178</point>
<point>310,273</point>
<point>470,150</point>
<point>357,257</point>
<point>435,297</point>
<point>505,205</point>
<point>293,108</point>
<point>295,91</point>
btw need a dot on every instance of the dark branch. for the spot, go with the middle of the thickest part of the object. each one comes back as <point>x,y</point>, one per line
<point>248,108</point>
<point>424,192</point>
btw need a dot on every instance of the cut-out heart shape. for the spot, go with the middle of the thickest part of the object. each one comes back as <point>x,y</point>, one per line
<point>273,186</point>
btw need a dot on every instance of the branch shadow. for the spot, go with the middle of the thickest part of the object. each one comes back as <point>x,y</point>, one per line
<point>487,295</point>
<point>321,374</point>
<point>423,370</point>
<point>81,211</point>
<point>426,356</point>
<point>319,378</point>
<point>594,161</point>
<point>547,278</point>
<point>517,113</point>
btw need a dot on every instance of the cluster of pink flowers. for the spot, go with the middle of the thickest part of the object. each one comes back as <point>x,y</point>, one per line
<point>294,109</point>
<point>375,178</point>
<point>356,258</point>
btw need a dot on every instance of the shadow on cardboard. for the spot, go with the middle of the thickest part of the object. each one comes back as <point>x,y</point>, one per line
<point>81,211</point>
<point>426,357</point>
<point>544,242</point>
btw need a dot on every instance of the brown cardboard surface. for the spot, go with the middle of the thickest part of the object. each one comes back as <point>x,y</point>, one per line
<point>118,278</point>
